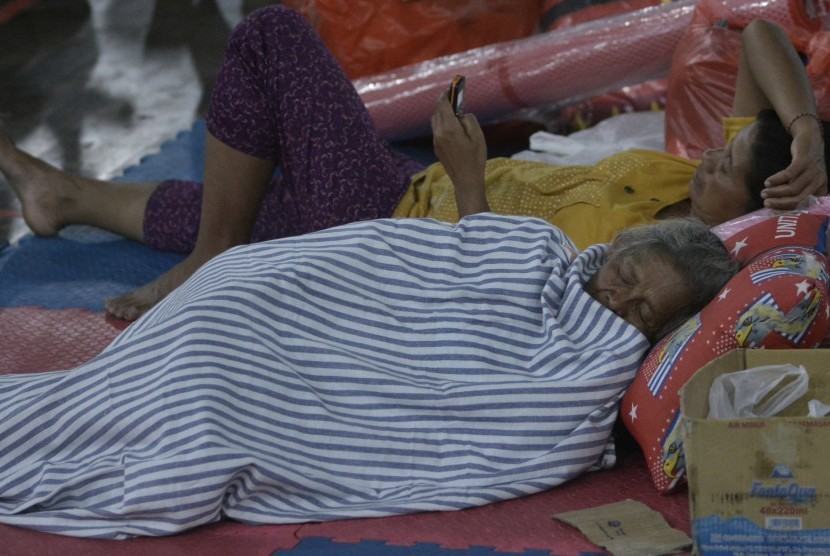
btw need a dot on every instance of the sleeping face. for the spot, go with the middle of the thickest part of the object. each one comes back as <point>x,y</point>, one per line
<point>647,291</point>
<point>718,190</point>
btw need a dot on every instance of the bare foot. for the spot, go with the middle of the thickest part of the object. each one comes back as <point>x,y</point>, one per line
<point>132,305</point>
<point>46,193</point>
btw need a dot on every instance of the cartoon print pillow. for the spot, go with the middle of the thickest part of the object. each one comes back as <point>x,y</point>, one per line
<point>779,300</point>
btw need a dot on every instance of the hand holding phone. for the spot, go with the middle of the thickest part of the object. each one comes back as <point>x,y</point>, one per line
<point>456,95</point>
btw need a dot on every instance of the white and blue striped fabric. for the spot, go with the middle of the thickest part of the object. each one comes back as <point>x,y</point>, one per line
<point>377,368</point>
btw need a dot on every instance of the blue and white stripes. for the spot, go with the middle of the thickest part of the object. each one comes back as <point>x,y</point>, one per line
<point>377,368</point>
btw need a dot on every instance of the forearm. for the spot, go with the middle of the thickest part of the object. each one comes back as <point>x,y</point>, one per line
<point>460,146</point>
<point>771,75</point>
<point>470,196</point>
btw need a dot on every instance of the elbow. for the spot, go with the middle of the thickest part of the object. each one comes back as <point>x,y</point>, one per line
<point>759,28</point>
<point>762,36</point>
<point>760,24</point>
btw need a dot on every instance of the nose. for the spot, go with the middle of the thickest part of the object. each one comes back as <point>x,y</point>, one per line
<point>619,301</point>
<point>710,158</point>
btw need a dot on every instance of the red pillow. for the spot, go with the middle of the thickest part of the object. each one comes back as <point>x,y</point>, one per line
<point>791,229</point>
<point>779,300</point>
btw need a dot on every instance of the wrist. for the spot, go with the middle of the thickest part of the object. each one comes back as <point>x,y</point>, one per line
<point>805,122</point>
<point>471,199</point>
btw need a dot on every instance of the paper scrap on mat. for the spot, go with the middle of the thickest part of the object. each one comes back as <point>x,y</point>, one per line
<point>627,528</point>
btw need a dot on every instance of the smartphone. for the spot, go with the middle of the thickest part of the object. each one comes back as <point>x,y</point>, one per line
<point>456,95</point>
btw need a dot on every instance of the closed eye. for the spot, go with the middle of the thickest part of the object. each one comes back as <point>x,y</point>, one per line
<point>645,314</point>
<point>642,310</point>
<point>625,276</point>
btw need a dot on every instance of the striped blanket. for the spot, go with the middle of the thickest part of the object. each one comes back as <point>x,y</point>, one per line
<point>377,368</point>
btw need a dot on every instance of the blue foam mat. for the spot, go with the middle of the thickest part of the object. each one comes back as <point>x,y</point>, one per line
<point>181,158</point>
<point>64,272</point>
<point>320,546</point>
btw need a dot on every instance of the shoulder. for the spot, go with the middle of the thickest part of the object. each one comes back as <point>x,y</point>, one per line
<point>646,164</point>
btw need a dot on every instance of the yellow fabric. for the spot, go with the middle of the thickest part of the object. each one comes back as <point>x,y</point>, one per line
<point>590,203</point>
<point>734,124</point>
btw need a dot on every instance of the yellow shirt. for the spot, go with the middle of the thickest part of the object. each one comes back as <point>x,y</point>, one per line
<point>734,124</point>
<point>589,203</point>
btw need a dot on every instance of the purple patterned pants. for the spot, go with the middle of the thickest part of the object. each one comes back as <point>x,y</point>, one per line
<point>281,96</point>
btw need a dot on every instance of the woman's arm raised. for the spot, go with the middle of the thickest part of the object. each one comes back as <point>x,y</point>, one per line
<point>460,146</point>
<point>771,75</point>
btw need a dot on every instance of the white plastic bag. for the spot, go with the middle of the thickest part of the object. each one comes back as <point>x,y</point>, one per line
<point>817,409</point>
<point>739,394</point>
<point>634,130</point>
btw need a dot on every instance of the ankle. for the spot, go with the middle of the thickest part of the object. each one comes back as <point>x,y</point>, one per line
<point>12,160</point>
<point>207,248</point>
<point>202,254</point>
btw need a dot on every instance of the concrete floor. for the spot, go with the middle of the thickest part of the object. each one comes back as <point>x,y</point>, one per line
<point>92,86</point>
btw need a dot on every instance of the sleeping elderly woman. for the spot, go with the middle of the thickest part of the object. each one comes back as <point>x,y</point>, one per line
<point>376,368</point>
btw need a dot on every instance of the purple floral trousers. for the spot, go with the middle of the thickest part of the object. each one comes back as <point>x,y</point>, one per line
<point>281,96</point>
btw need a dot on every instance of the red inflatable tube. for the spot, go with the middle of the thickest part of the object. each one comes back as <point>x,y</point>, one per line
<point>560,66</point>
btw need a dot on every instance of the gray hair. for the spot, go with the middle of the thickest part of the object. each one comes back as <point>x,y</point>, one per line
<point>696,253</point>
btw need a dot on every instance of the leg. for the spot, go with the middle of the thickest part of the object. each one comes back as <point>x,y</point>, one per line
<point>227,213</point>
<point>280,99</point>
<point>52,199</point>
<point>281,95</point>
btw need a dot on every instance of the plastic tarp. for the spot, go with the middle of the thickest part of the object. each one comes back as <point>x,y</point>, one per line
<point>371,36</point>
<point>560,66</point>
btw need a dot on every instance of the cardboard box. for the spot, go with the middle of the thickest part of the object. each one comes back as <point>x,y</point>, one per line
<point>759,486</point>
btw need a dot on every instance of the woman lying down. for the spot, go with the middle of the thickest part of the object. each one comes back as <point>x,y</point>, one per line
<point>378,368</point>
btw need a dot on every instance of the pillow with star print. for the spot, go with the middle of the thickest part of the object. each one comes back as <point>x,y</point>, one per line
<point>778,300</point>
<point>785,230</point>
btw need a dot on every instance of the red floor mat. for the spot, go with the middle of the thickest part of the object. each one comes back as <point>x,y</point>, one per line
<point>33,339</point>
<point>512,527</point>
<point>520,524</point>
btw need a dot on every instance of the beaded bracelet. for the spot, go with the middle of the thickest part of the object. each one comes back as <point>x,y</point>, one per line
<point>802,115</point>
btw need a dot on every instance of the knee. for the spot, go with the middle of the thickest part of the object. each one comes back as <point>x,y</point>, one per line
<point>271,18</point>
